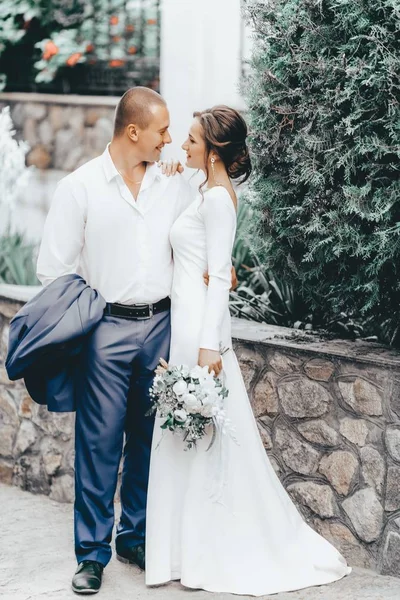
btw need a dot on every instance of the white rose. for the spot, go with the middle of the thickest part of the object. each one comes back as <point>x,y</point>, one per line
<point>192,404</point>
<point>207,410</point>
<point>180,415</point>
<point>208,385</point>
<point>199,372</point>
<point>191,387</point>
<point>180,387</point>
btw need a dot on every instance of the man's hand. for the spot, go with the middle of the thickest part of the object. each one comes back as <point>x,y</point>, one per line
<point>234,281</point>
<point>170,167</point>
<point>211,359</point>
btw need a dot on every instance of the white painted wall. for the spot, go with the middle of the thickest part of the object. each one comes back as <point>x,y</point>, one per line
<point>200,60</point>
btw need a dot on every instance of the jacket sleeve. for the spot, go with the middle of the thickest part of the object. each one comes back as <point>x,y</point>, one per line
<point>63,235</point>
<point>219,217</point>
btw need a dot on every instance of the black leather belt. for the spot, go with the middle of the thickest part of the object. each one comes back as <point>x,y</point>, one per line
<point>137,311</point>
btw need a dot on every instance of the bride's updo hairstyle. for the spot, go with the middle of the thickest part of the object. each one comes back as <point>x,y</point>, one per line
<point>225,132</point>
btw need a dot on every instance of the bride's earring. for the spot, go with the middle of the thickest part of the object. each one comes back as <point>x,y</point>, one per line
<point>213,171</point>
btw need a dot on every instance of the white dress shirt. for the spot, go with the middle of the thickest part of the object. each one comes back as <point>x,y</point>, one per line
<point>120,246</point>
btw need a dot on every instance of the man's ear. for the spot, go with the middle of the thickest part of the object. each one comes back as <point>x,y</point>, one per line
<point>132,132</point>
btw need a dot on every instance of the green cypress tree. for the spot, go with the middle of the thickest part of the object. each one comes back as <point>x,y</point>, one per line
<point>323,95</point>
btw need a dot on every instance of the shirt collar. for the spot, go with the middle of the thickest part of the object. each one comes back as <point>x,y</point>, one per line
<point>152,174</point>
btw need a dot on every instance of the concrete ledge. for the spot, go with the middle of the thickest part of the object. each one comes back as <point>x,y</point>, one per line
<point>68,99</point>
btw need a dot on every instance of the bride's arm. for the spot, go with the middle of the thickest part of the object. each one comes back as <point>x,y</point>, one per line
<point>220,224</point>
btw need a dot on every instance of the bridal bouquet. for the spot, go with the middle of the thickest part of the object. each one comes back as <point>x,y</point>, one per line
<point>190,400</point>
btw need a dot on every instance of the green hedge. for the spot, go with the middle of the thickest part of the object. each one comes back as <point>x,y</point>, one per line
<point>323,96</point>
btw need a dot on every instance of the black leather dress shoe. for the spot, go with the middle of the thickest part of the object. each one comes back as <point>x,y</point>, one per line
<point>133,556</point>
<point>87,578</point>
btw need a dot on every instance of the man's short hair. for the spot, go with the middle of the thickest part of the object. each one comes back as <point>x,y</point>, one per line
<point>135,107</point>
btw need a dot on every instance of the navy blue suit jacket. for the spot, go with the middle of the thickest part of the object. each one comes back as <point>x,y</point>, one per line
<point>47,336</point>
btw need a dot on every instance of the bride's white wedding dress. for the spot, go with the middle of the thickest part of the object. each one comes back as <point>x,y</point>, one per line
<point>221,520</point>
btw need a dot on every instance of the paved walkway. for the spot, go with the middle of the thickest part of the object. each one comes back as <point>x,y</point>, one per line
<point>37,562</point>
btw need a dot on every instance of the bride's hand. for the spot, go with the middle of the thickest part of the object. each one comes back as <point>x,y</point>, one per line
<point>170,167</point>
<point>212,359</point>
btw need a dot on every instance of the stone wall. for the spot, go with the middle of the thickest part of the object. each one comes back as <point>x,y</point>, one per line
<point>63,131</point>
<point>328,414</point>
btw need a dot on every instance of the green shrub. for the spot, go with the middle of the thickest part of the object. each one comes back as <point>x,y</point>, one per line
<point>323,96</point>
<point>17,260</point>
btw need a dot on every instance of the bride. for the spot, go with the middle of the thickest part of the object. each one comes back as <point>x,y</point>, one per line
<point>221,520</point>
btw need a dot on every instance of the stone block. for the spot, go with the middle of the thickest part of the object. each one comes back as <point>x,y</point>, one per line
<point>297,455</point>
<point>76,121</point>
<point>319,432</point>
<point>354,430</point>
<point>9,308</point>
<point>29,475</point>
<point>30,132</point>
<point>275,465</point>
<point>65,141</point>
<point>52,455</point>
<point>301,397</point>
<point>58,425</point>
<point>391,554</point>
<point>319,498</point>
<point>25,405</point>
<point>392,439</point>
<point>4,377</point>
<point>62,489</point>
<point>56,118</point>
<point>39,157</point>
<point>265,437</point>
<point>73,158</point>
<point>365,513</point>
<point>35,111</point>
<point>362,396</point>
<point>395,397</point>
<point>373,468</point>
<point>46,133</point>
<point>342,538</point>
<point>340,468</point>
<point>284,364</point>
<point>392,500</point>
<point>4,341</point>
<point>6,471</point>
<point>102,134</point>
<point>26,437</point>
<point>18,115</point>
<point>9,423</point>
<point>265,397</point>
<point>250,363</point>
<point>319,369</point>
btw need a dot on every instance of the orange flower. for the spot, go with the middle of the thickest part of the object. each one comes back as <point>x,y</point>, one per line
<point>151,21</point>
<point>132,50</point>
<point>89,48</point>
<point>130,28</point>
<point>50,50</point>
<point>73,59</point>
<point>116,62</point>
<point>114,20</point>
<point>116,39</point>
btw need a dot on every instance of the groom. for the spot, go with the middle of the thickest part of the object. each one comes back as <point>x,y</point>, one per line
<point>110,222</point>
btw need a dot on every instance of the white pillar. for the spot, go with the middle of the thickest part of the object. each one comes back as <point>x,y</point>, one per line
<point>200,60</point>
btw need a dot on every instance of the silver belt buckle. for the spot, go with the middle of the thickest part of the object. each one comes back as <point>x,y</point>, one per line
<point>151,311</point>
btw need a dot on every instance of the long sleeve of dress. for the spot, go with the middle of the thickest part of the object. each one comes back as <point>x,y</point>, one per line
<point>219,217</point>
<point>63,235</point>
